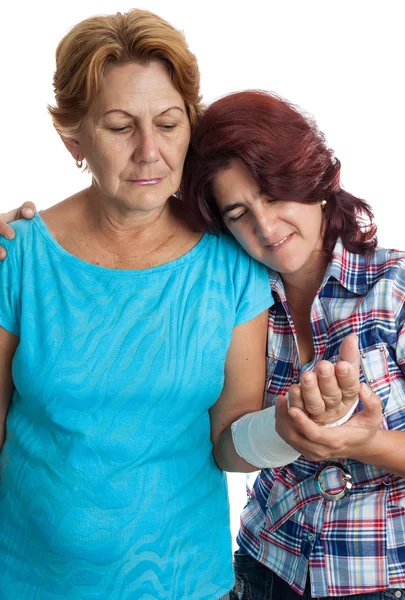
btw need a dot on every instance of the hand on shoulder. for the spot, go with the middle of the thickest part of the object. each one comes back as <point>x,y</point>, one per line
<point>25,211</point>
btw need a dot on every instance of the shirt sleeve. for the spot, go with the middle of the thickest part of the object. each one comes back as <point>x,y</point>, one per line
<point>252,287</point>
<point>398,298</point>
<point>10,279</point>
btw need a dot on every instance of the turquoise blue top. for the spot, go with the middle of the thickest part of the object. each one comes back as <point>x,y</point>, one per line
<point>108,486</point>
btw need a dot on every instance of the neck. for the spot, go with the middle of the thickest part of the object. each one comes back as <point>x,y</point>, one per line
<point>301,287</point>
<point>127,230</point>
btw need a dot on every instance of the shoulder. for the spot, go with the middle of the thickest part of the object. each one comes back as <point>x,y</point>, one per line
<point>385,263</point>
<point>25,232</point>
<point>385,274</point>
<point>233,251</point>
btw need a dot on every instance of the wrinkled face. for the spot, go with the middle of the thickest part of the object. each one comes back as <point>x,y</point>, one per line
<point>285,236</point>
<point>135,136</point>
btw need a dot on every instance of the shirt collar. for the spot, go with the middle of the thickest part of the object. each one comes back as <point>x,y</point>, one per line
<point>346,267</point>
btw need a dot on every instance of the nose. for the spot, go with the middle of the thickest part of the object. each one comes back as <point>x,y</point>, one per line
<point>263,226</point>
<point>146,149</point>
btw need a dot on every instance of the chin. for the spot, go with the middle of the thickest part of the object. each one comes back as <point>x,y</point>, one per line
<point>149,202</point>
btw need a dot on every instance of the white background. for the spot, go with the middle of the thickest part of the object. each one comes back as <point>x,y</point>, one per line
<point>343,61</point>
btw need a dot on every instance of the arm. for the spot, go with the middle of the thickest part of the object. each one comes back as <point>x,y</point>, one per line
<point>254,436</point>
<point>26,211</point>
<point>245,371</point>
<point>361,438</point>
<point>8,345</point>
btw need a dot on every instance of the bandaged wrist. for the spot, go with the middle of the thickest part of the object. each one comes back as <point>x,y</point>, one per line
<point>256,440</point>
<point>344,419</point>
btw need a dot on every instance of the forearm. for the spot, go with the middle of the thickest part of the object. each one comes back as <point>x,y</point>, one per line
<point>386,450</point>
<point>227,458</point>
<point>252,443</point>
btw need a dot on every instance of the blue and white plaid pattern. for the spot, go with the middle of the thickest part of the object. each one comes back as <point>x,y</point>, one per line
<point>357,544</point>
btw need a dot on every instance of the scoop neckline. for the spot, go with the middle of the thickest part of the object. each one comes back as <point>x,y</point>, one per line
<point>191,255</point>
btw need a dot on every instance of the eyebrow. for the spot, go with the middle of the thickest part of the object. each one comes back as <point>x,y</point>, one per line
<point>125,112</point>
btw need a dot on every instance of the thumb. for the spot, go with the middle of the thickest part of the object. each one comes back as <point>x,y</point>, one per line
<point>372,405</point>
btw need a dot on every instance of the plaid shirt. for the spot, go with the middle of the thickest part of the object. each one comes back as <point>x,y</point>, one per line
<point>356,544</point>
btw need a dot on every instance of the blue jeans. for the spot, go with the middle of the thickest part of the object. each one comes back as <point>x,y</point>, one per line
<point>254,581</point>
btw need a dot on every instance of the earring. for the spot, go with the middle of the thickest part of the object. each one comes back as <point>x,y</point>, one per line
<point>79,163</point>
<point>323,204</point>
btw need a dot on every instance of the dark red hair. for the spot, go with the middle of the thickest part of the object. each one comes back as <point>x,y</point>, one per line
<point>288,158</point>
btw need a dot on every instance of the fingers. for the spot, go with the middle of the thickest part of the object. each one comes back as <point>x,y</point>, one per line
<point>349,350</point>
<point>348,379</point>
<point>284,424</point>
<point>26,211</point>
<point>311,396</point>
<point>304,424</point>
<point>295,398</point>
<point>5,230</point>
<point>328,386</point>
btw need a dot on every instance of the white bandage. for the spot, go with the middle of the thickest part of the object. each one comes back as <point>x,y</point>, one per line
<point>256,440</point>
<point>345,418</point>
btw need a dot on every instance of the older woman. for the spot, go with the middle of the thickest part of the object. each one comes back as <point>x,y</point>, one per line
<point>118,319</point>
<point>260,169</point>
<point>129,344</point>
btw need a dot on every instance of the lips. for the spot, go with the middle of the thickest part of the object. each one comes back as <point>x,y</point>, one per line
<point>146,181</point>
<point>280,242</point>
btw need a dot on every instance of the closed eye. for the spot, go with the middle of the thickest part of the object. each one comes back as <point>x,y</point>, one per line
<point>120,129</point>
<point>167,126</point>
<point>236,218</point>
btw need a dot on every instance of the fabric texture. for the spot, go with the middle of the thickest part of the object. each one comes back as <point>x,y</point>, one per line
<point>357,544</point>
<point>108,486</point>
<point>255,582</point>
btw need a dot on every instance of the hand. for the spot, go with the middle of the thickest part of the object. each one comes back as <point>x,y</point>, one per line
<point>318,443</point>
<point>329,392</point>
<point>26,211</point>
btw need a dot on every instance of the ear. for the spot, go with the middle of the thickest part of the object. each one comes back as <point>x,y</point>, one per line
<point>73,147</point>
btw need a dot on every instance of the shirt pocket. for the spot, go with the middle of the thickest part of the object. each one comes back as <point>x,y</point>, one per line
<point>375,370</point>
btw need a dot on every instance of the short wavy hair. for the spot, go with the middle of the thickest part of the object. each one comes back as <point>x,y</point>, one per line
<point>84,53</point>
<point>287,156</point>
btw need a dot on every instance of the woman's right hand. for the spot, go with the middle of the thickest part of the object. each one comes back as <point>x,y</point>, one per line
<point>26,211</point>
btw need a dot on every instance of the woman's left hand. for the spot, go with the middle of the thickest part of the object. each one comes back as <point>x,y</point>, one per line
<point>329,392</point>
<point>317,443</point>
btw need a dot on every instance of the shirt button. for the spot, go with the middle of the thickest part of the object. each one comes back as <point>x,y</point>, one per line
<point>311,537</point>
<point>398,594</point>
<point>274,361</point>
<point>296,497</point>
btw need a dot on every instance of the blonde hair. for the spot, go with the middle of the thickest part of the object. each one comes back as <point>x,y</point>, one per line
<point>136,36</point>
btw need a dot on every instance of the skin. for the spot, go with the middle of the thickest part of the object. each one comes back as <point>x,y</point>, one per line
<point>138,131</point>
<point>260,223</point>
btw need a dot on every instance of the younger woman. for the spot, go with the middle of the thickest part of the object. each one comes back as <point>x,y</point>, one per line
<point>261,170</point>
